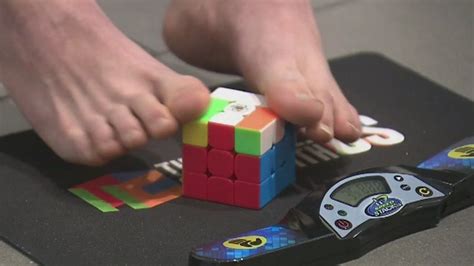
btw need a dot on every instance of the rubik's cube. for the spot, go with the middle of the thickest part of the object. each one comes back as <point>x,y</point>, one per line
<point>239,152</point>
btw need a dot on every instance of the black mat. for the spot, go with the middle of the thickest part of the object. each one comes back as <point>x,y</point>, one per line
<point>41,218</point>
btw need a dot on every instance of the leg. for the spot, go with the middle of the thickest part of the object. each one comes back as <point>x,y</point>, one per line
<point>276,46</point>
<point>88,91</point>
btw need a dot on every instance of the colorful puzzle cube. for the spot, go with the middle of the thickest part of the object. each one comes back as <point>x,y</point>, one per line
<point>239,152</point>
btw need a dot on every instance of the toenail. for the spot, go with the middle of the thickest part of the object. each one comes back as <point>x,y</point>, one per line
<point>162,126</point>
<point>304,96</point>
<point>354,128</point>
<point>109,146</point>
<point>133,136</point>
<point>309,97</point>
<point>108,152</point>
<point>327,130</point>
<point>157,125</point>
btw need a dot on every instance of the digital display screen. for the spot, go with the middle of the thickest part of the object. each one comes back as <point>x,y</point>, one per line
<point>353,192</point>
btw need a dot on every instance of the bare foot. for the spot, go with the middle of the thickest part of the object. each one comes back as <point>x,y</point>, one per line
<point>88,91</point>
<point>276,46</point>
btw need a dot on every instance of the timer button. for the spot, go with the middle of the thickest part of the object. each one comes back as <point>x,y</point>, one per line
<point>398,178</point>
<point>405,187</point>
<point>424,191</point>
<point>342,212</point>
<point>343,224</point>
<point>328,207</point>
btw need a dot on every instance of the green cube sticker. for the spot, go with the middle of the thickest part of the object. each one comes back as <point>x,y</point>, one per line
<point>247,141</point>
<point>216,106</point>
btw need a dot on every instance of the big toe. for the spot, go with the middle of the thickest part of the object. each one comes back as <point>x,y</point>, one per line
<point>347,126</point>
<point>185,97</point>
<point>292,99</point>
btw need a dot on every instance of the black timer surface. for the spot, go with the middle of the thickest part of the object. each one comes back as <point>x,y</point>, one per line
<point>42,219</point>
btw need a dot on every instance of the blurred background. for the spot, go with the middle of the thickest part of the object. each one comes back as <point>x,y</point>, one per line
<point>432,37</point>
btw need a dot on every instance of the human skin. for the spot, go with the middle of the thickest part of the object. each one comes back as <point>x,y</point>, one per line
<point>92,94</point>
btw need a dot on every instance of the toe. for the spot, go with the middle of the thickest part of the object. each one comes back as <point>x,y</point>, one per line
<point>289,95</point>
<point>346,119</point>
<point>155,117</point>
<point>346,126</point>
<point>323,130</point>
<point>77,147</point>
<point>185,97</point>
<point>292,101</point>
<point>127,127</point>
<point>339,116</point>
<point>104,139</point>
<point>68,135</point>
